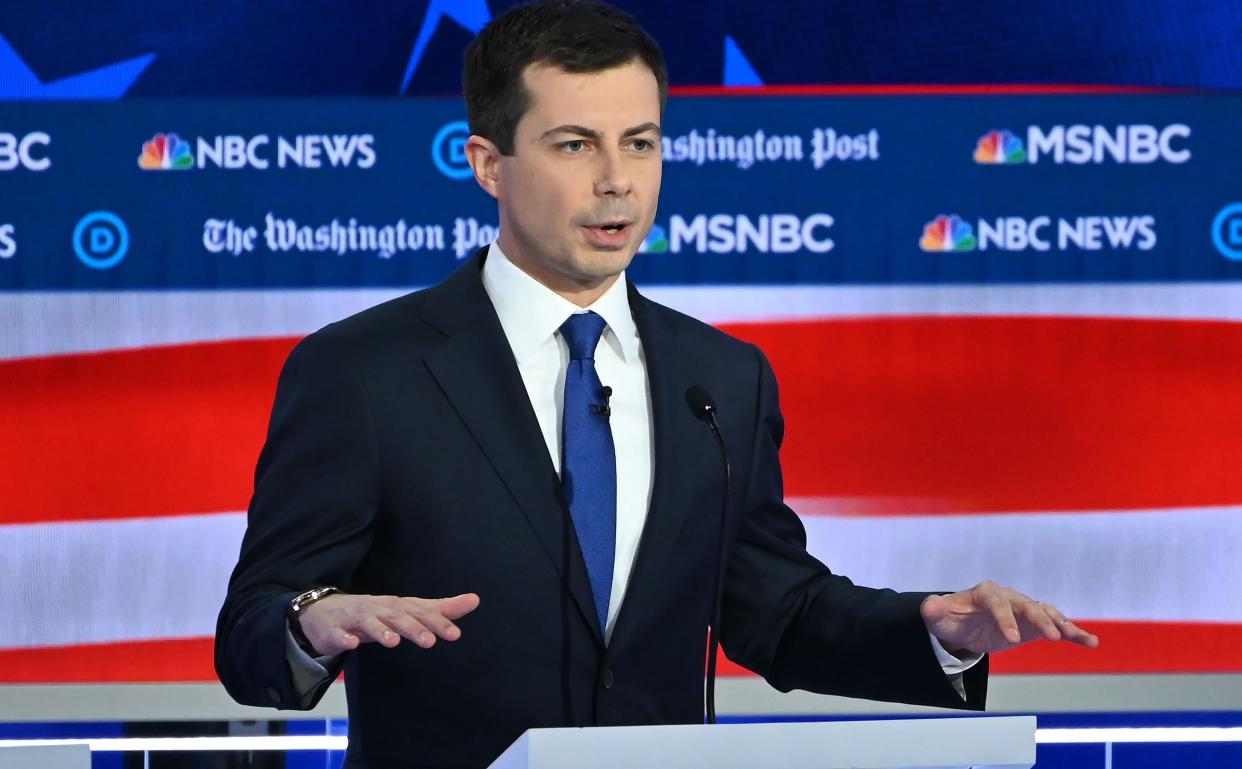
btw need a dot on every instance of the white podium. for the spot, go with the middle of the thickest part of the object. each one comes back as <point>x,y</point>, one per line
<point>49,757</point>
<point>932,743</point>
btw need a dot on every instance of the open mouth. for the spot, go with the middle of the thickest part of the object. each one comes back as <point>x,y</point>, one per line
<point>612,228</point>
<point>610,235</point>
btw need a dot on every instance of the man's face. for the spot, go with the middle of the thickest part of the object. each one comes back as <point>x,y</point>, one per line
<point>578,196</point>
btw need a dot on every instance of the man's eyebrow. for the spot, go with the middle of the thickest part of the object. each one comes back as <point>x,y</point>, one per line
<point>576,130</point>
<point>591,133</point>
<point>641,129</point>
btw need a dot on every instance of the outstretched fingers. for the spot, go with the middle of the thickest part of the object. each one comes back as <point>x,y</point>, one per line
<point>370,628</point>
<point>1070,631</point>
<point>1037,614</point>
<point>1001,609</point>
<point>341,622</point>
<point>459,605</point>
<point>411,628</point>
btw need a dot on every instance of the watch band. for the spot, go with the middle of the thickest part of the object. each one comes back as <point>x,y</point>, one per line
<point>301,602</point>
<point>294,611</point>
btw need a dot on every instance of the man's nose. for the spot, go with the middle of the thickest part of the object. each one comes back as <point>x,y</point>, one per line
<point>613,177</point>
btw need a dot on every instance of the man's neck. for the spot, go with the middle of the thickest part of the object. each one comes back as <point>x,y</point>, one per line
<point>581,293</point>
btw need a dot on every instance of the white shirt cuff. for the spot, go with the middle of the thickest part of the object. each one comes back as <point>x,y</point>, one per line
<point>308,672</point>
<point>952,666</point>
<point>948,662</point>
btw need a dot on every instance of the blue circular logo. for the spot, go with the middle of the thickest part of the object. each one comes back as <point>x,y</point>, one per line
<point>100,240</point>
<point>448,150</point>
<point>1227,231</point>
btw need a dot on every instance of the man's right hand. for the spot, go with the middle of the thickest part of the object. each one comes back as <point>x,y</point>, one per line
<point>340,622</point>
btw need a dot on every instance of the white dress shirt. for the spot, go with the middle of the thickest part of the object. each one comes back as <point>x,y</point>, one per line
<point>531,315</point>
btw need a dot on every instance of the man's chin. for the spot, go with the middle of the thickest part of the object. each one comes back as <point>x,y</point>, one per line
<point>595,266</point>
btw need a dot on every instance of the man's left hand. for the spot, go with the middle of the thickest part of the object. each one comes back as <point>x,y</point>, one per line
<point>989,618</point>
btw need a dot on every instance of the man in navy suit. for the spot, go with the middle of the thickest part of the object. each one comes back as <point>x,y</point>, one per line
<point>517,438</point>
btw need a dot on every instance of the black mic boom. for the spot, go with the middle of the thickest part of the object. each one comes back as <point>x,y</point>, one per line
<point>703,406</point>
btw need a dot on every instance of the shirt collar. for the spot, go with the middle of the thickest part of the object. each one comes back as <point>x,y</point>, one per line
<point>530,312</point>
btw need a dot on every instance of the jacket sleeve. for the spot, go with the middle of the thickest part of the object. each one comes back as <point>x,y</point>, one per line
<point>309,523</point>
<point>791,620</point>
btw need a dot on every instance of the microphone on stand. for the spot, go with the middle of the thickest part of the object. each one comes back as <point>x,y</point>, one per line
<point>703,406</point>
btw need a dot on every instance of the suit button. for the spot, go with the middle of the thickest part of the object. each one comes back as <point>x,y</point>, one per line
<point>272,695</point>
<point>605,680</point>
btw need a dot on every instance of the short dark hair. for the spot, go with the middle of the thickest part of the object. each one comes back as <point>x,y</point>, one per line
<point>576,35</point>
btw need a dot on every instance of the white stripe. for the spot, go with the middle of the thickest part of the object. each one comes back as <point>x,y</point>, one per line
<point>1074,693</point>
<point>54,323</point>
<point>1144,735</point>
<point>1167,301</point>
<point>117,580</point>
<point>163,701</point>
<point>151,578</point>
<point>51,323</point>
<point>735,696</point>
<point>181,744</point>
<point>1088,736</point>
<point>1164,565</point>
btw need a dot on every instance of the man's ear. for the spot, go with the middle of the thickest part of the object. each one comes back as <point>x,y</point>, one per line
<point>484,157</point>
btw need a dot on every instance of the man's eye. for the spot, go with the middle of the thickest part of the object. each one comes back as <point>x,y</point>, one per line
<point>577,145</point>
<point>642,145</point>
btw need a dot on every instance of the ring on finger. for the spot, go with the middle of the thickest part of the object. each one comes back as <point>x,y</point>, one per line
<point>1057,619</point>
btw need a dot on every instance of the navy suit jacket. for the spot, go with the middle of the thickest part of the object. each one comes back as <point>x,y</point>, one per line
<point>403,458</point>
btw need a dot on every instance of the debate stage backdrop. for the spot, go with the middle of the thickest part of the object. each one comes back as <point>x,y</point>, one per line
<point>997,266</point>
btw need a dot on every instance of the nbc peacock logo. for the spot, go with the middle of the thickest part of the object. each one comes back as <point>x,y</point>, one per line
<point>656,242</point>
<point>947,233</point>
<point>999,148</point>
<point>166,152</point>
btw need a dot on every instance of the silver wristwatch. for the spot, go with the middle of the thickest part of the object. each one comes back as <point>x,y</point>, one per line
<point>300,603</point>
<point>294,610</point>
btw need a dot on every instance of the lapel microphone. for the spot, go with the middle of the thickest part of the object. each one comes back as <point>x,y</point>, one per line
<point>703,406</point>
<point>603,409</point>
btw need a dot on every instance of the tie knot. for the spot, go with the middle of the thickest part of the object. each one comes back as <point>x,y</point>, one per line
<point>582,332</point>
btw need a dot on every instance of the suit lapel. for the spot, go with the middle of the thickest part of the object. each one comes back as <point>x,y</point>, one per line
<point>475,369</point>
<point>673,426</point>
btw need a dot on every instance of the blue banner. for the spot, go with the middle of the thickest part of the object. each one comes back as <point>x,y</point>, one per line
<point>757,190</point>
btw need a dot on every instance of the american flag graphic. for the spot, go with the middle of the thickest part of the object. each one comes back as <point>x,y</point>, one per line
<point>1079,442</point>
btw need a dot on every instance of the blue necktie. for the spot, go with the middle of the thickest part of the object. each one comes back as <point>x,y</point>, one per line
<point>589,461</point>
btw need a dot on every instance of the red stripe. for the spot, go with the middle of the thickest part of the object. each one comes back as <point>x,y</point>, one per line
<point>169,660</point>
<point>912,89</point>
<point>966,414</point>
<point>1126,647</point>
<point>156,431</point>
<point>1135,647</point>
<point>1018,414</point>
